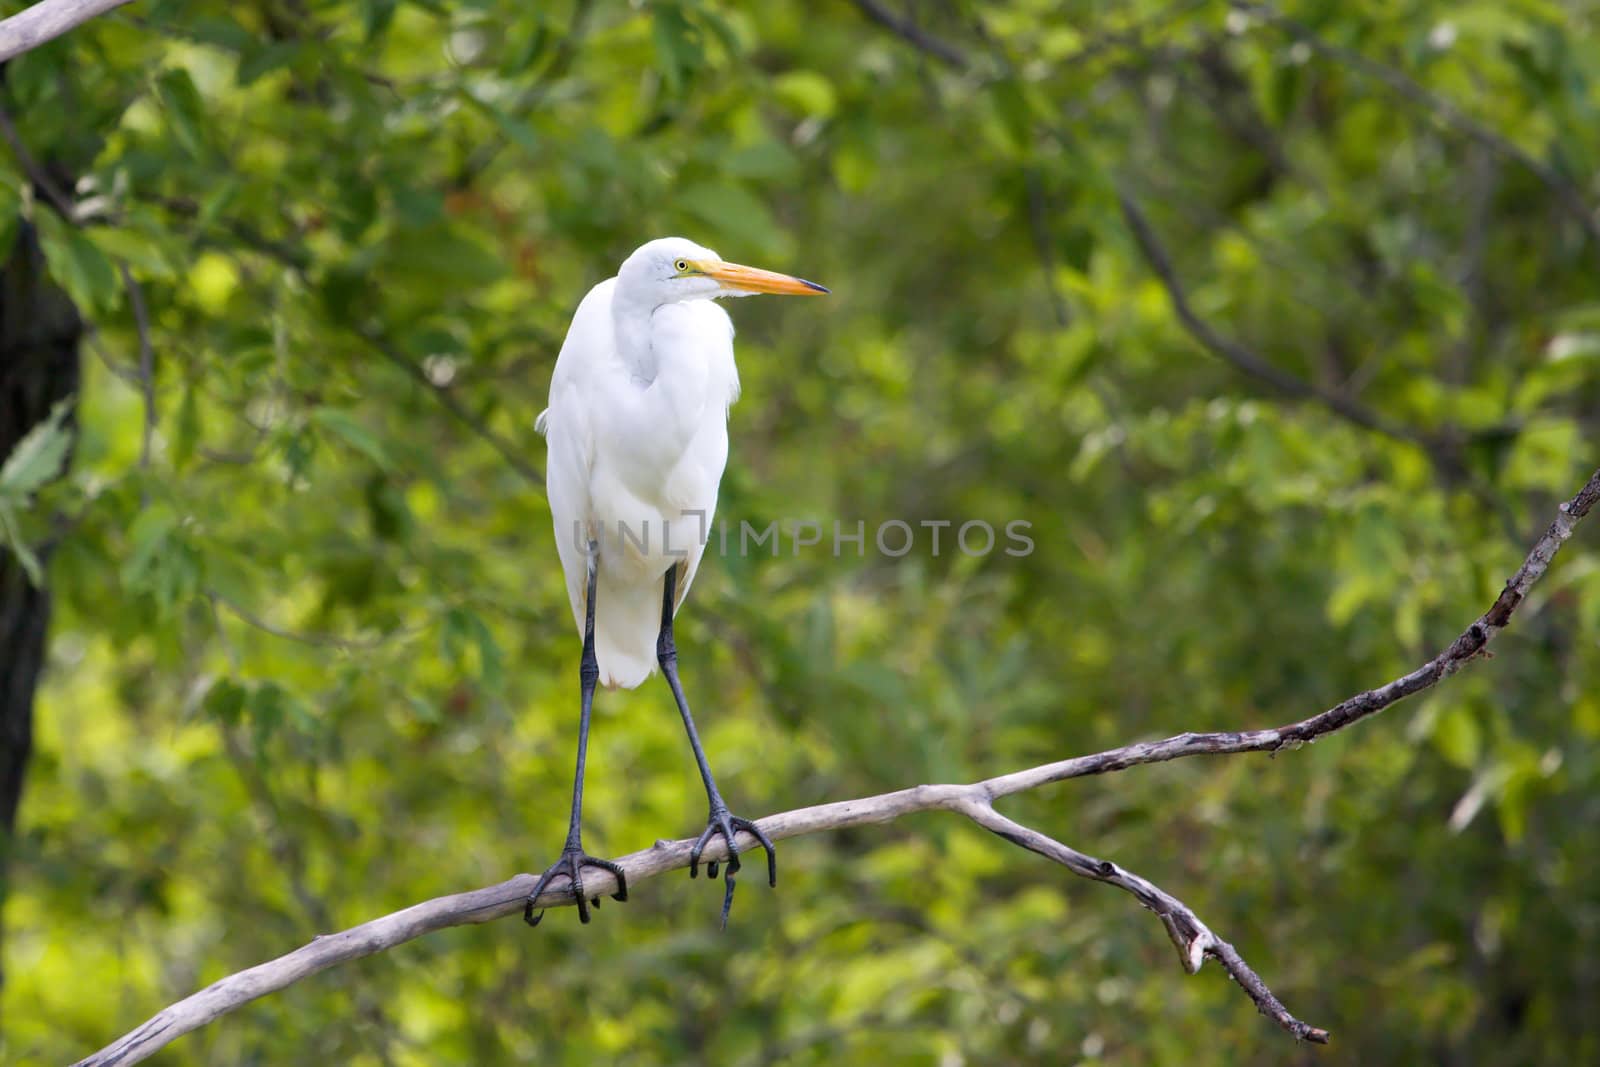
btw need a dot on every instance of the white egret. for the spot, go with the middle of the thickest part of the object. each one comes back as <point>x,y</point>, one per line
<point>637,432</point>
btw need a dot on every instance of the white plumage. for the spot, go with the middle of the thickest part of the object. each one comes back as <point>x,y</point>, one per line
<point>637,434</point>
<point>637,431</point>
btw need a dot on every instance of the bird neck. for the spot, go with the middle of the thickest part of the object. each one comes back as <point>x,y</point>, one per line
<point>630,319</point>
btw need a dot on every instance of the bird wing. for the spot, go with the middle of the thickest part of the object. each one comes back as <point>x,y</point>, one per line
<point>717,328</point>
<point>568,428</point>
<point>699,472</point>
<point>612,460</point>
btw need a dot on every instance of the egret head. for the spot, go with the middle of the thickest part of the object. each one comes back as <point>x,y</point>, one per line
<point>670,269</point>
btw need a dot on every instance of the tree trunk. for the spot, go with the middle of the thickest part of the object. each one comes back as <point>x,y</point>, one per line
<point>39,334</point>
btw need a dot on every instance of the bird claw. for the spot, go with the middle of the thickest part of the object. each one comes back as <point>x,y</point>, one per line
<point>571,864</point>
<point>728,825</point>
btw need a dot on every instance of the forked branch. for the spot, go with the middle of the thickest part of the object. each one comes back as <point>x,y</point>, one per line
<point>1193,940</point>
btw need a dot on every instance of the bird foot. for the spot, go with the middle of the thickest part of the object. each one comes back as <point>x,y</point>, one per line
<point>573,860</point>
<point>728,825</point>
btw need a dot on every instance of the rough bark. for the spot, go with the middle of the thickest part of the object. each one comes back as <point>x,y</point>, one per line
<point>39,337</point>
<point>47,20</point>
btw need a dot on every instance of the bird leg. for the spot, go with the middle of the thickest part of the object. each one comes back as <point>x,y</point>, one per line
<point>721,820</point>
<point>573,857</point>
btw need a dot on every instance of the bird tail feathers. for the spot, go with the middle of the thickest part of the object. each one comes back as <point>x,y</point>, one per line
<point>625,630</point>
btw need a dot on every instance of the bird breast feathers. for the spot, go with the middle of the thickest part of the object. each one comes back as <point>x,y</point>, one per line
<point>590,361</point>
<point>701,326</point>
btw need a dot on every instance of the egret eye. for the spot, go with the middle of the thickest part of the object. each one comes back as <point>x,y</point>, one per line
<point>682,266</point>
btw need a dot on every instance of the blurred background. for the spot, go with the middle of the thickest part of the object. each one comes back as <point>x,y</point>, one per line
<point>1279,325</point>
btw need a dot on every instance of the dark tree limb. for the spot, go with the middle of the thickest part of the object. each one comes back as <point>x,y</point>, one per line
<point>1192,938</point>
<point>1243,359</point>
<point>511,453</point>
<point>908,30</point>
<point>40,331</point>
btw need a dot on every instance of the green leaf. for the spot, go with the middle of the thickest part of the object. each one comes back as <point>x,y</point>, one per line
<point>345,427</point>
<point>10,213</point>
<point>521,54</point>
<point>491,662</point>
<point>85,272</point>
<point>442,256</point>
<point>355,209</point>
<point>11,533</point>
<point>676,51</point>
<point>229,575</point>
<point>376,15</point>
<point>147,537</point>
<point>268,707</point>
<point>264,57</point>
<point>424,710</point>
<point>462,630</point>
<point>733,211</point>
<point>184,109</point>
<point>1016,114</point>
<point>186,438</point>
<point>39,456</point>
<point>225,701</point>
<point>516,130</point>
<point>224,33</point>
<point>806,92</point>
<point>1457,737</point>
<point>141,251</point>
<point>765,160</point>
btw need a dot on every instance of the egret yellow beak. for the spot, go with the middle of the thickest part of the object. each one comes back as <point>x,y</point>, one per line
<point>754,280</point>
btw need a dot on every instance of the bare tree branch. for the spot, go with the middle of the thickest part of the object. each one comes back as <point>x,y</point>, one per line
<point>1193,940</point>
<point>41,178</point>
<point>1191,937</point>
<point>316,640</point>
<point>908,30</point>
<point>45,21</point>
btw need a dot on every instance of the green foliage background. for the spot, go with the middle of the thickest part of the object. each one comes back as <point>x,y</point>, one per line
<point>313,660</point>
